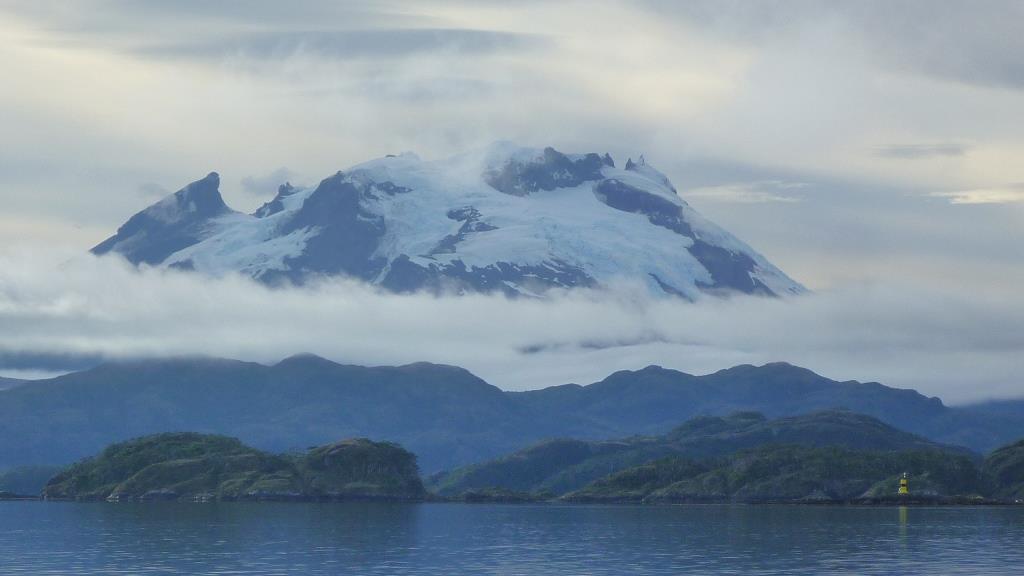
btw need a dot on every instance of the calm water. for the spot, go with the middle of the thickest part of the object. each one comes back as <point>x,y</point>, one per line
<point>63,538</point>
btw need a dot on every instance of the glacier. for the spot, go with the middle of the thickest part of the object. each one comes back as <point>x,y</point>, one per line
<point>509,219</point>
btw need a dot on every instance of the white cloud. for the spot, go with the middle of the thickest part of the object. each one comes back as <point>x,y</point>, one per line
<point>918,151</point>
<point>1010,193</point>
<point>749,192</point>
<point>957,344</point>
<point>267,184</point>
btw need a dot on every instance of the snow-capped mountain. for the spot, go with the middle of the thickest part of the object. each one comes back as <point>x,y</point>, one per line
<point>509,219</point>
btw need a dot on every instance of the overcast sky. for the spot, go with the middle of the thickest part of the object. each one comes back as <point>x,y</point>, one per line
<point>872,150</point>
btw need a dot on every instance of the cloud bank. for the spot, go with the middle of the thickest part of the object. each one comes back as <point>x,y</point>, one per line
<point>956,344</point>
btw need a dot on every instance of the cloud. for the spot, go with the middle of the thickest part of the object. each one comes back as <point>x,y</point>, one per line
<point>344,44</point>
<point>133,22</point>
<point>943,340</point>
<point>268,184</point>
<point>916,151</point>
<point>45,362</point>
<point>749,192</point>
<point>1010,193</point>
<point>152,190</point>
<point>967,42</point>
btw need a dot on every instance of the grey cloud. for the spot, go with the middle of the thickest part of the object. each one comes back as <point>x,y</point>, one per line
<point>915,151</point>
<point>969,42</point>
<point>266,185</point>
<point>255,10</point>
<point>47,361</point>
<point>345,44</point>
<point>152,190</point>
<point>149,19</point>
<point>958,40</point>
<point>263,30</point>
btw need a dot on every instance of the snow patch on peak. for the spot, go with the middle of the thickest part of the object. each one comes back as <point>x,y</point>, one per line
<point>644,169</point>
<point>244,244</point>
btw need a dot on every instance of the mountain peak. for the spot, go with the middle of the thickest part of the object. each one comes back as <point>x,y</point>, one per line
<point>507,218</point>
<point>201,198</point>
<point>175,222</point>
<point>306,359</point>
<point>198,200</point>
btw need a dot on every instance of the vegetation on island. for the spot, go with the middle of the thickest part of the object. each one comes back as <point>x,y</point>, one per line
<point>563,466</point>
<point>1006,468</point>
<point>823,457</point>
<point>176,466</point>
<point>790,474</point>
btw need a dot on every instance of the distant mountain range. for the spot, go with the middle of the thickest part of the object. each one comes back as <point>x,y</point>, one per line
<point>8,383</point>
<point>507,219</point>
<point>1013,408</point>
<point>445,415</point>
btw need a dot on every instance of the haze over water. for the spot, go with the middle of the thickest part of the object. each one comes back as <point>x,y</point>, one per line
<point>369,538</point>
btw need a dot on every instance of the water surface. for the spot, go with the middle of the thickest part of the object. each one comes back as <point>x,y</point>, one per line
<point>372,538</point>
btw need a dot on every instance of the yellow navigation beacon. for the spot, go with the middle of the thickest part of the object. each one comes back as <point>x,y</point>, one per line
<point>903,484</point>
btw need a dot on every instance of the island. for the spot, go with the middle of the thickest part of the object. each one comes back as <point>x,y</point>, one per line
<point>203,467</point>
<point>826,457</point>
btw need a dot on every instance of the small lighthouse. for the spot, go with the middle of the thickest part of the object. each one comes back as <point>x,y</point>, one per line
<point>904,489</point>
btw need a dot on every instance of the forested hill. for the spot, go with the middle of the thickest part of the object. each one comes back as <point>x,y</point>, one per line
<point>445,415</point>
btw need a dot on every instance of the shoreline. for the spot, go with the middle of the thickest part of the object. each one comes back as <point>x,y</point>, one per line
<point>858,503</point>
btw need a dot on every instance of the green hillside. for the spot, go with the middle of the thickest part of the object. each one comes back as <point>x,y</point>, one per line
<point>790,474</point>
<point>1006,468</point>
<point>174,466</point>
<point>561,466</point>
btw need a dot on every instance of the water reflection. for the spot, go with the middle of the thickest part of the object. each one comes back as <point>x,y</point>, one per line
<point>903,526</point>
